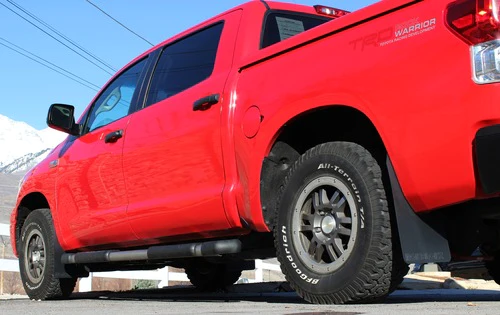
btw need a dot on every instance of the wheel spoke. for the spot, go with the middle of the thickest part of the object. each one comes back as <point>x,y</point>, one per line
<point>305,228</point>
<point>345,220</point>
<point>315,201</point>
<point>320,200</point>
<point>337,246</point>
<point>308,217</point>
<point>331,253</point>
<point>340,205</point>
<point>319,252</point>
<point>324,197</point>
<point>31,246</point>
<point>38,242</point>
<point>334,198</point>
<point>312,247</point>
<point>344,231</point>
<point>307,207</point>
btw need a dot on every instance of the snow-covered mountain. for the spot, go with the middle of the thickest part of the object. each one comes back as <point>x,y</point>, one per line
<point>22,146</point>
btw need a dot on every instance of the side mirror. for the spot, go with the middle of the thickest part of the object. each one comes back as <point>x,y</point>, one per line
<point>61,117</point>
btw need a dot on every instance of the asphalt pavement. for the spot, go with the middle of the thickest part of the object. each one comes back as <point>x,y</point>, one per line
<point>252,299</point>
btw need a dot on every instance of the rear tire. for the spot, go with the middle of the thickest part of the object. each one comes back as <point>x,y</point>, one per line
<point>37,259</point>
<point>399,268</point>
<point>333,234</point>
<point>211,277</point>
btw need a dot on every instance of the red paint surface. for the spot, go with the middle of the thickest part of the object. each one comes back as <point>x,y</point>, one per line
<point>177,172</point>
<point>251,122</point>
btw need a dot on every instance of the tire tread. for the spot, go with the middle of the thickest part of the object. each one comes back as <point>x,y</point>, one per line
<point>375,278</point>
<point>55,288</point>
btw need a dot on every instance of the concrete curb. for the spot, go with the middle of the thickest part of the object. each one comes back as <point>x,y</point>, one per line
<point>13,297</point>
<point>443,280</point>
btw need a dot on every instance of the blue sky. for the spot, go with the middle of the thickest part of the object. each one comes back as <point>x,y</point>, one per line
<point>28,88</point>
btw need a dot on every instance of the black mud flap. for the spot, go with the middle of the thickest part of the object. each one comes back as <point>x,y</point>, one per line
<point>66,271</point>
<point>420,242</point>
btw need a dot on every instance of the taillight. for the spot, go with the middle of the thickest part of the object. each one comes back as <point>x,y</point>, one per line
<point>477,22</point>
<point>332,12</point>
<point>474,21</point>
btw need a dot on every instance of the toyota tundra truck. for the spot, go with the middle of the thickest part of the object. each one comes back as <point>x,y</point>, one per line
<point>347,145</point>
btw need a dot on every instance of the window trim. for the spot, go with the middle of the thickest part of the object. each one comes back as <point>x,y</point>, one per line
<point>133,101</point>
<point>300,14</point>
<point>158,52</point>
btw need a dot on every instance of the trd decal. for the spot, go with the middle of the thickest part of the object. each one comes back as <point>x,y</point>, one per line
<point>393,34</point>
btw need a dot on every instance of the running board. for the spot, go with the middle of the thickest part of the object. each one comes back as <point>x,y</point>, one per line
<point>204,249</point>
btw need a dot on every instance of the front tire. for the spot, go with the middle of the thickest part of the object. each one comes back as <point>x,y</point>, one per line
<point>333,233</point>
<point>37,259</point>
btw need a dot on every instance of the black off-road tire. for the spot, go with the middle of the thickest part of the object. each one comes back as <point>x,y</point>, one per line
<point>399,270</point>
<point>399,267</point>
<point>333,233</point>
<point>210,277</point>
<point>37,259</point>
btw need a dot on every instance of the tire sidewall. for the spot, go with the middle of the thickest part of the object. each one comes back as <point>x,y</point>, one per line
<point>297,272</point>
<point>36,222</point>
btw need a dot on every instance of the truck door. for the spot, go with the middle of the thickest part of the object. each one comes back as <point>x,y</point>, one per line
<point>90,187</point>
<point>172,156</point>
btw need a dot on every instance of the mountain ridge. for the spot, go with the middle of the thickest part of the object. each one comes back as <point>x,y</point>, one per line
<point>22,146</point>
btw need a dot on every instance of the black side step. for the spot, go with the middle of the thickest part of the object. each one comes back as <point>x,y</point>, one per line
<point>204,249</point>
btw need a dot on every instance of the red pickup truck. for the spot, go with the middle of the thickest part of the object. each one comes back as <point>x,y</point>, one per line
<point>346,144</point>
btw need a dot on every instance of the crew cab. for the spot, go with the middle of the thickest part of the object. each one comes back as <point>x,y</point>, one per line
<point>346,144</point>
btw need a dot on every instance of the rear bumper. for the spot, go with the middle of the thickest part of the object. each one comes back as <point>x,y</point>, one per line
<point>487,150</point>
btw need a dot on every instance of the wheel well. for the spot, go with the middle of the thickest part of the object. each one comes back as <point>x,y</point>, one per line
<point>29,203</point>
<point>332,123</point>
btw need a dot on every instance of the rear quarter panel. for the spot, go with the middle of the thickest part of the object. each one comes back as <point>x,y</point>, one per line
<point>416,88</point>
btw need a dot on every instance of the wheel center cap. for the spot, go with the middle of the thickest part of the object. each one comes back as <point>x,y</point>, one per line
<point>328,224</point>
<point>36,256</point>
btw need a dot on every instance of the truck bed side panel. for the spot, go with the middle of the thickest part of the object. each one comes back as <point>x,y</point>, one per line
<point>414,84</point>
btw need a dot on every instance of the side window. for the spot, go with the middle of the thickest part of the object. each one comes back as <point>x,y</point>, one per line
<point>185,63</point>
<point>280,26</point>
<point>114,102</point>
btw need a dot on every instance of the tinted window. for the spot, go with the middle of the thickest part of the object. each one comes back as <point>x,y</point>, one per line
<point>184,64</point>
<point>280,26</point>
<point>114,102</point>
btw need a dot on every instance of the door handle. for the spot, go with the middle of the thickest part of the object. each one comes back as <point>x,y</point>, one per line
<point>206,102</point>
<point>112,137</point>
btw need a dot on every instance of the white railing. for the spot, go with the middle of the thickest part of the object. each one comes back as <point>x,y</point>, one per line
<point>4,229</point>
<point>163,275</point>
